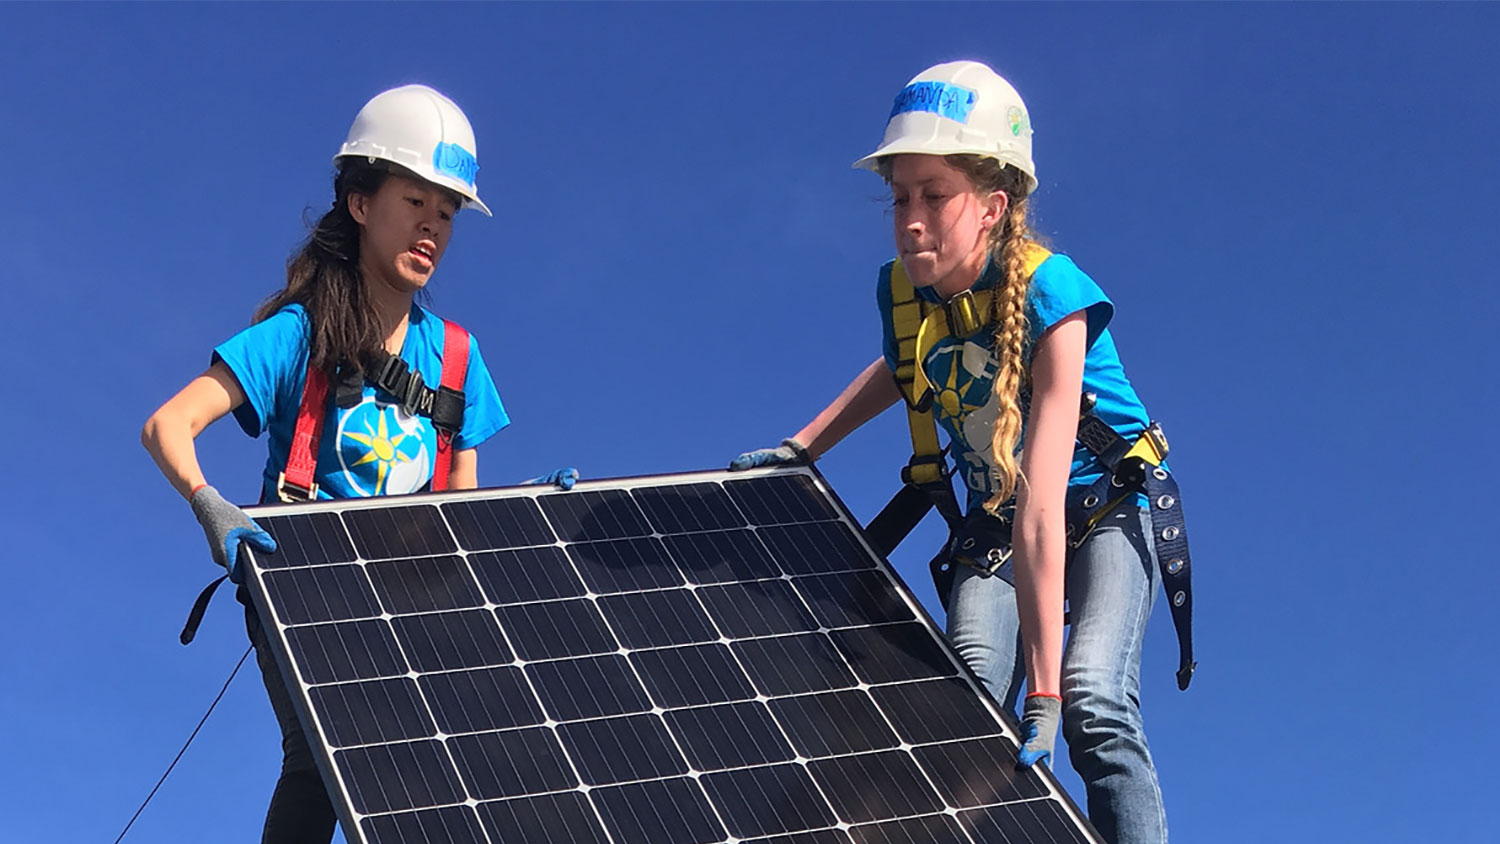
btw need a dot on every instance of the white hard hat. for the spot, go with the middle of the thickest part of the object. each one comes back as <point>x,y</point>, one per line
<point>959,108</point>
<point>423,131</point>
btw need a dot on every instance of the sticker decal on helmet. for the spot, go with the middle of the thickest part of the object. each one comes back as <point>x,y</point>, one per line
<point>453,160</point>
<point>1018,121</point>
<point>941,98</point>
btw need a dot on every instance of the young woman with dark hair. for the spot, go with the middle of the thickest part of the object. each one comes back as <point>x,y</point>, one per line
<point>347,330</point>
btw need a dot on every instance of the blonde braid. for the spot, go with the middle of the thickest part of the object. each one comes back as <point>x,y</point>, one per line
<point>1008,243</point>
<point>1011,334</point>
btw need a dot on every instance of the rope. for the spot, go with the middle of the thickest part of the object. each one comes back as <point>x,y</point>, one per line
<point>185,745</point>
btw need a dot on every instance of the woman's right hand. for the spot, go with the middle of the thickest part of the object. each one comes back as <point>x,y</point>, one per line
<point>870,393</point>
<point>226,526</point>
<point>789,453</point>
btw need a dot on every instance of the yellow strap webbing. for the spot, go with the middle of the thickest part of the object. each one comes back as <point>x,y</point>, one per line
<point>908,315</point>
<point>918,327</point>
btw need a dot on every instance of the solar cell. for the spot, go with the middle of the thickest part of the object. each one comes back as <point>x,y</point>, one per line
<point>697,659</point>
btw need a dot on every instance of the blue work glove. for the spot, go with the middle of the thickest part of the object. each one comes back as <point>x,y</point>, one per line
<point>1038,729</point>
<point>226,526</point>
<point>560,478</point>
<point>789,453</point>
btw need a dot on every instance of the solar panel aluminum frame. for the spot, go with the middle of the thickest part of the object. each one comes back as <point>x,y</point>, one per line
<point>317,731</point>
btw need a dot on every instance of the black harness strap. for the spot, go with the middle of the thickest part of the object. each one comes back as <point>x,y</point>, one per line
<point>200,606</point>
<point>1129,474</point>
<point>897,519</point>
<point>444,406</point>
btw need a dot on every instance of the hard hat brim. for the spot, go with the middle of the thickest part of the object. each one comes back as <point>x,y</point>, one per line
<point>930,146</point>
<point>470,197</point>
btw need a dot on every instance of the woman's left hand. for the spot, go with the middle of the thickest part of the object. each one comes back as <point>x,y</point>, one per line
<point>1039,729</point>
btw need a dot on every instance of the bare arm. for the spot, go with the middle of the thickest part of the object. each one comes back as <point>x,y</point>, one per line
<point>867,396</point>
<point>464,471</point>
<point>1041,526</point>
<point>170,431</point>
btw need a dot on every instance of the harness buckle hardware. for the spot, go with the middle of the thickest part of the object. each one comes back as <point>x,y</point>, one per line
<point>392,376</point>
<point>927,470</point>
<point>963,315</point>
<point>1158,439</point>
<point>294,493</point>
<point>1131,473</point>
<point>411,401</point>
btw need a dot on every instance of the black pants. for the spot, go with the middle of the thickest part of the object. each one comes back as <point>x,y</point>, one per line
<point>300,811</point>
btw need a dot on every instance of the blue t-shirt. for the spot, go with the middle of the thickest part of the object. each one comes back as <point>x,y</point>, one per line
<point>373,448</point>
<point>962,370</point>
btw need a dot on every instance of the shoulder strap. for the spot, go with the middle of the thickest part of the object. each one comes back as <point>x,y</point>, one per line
<point>908,315</point>
<point>296,482</point>
<point>918,326</point>
<point>964,314</point>
<point>450,387</point>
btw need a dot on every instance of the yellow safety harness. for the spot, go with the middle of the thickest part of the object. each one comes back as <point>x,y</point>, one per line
<point>919,326</point>
<point>1131,467</point>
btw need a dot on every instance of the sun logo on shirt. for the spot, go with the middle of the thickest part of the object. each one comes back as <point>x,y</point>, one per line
<point>962,390</point>
<point>385,449</point>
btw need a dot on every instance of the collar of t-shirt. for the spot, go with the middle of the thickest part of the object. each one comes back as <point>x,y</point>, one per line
<point>988,278</point>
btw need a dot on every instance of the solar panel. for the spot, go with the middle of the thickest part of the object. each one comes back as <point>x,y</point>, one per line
<point>711,657</point>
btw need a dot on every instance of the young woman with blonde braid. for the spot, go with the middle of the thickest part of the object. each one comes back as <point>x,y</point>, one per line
<point>957,158</point>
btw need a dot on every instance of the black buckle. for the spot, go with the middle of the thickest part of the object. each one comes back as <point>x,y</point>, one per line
<point>945,470</point>
<point>406,384</point>
<point>392,376</point>
<point>1129,474</point>
<point>416,392</point>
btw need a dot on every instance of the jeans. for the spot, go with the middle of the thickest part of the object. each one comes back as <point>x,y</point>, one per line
<point>1111,585</point>
<point>300,811</point>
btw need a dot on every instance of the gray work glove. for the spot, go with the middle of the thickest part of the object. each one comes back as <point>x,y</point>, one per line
<point>1038,729</point>
<point>789,453</point>
<point>226,526</point>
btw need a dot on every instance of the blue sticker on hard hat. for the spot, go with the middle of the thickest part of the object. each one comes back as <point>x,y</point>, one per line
<point>941,98</point>
<point>453,160</point>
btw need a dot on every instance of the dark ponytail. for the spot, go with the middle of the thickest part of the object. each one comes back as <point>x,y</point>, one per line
<point>324,277</point>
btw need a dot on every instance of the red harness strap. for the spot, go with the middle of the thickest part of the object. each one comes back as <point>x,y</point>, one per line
<point>455,370</point>
<point>296,482</point>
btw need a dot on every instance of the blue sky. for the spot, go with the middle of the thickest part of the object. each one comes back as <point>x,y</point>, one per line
<point>1293,207</point>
